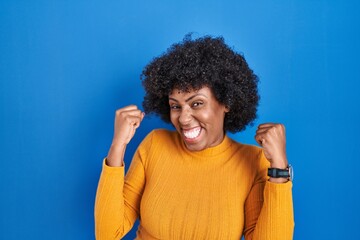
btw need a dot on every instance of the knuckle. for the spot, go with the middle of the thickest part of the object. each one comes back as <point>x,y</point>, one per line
<point>133,106</point>
<point>280,127</point>
<point>120,111</point>
<point>122,114</point>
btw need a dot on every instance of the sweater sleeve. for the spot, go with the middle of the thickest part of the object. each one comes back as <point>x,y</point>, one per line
<point>118,197</point>
<point>269,208</point>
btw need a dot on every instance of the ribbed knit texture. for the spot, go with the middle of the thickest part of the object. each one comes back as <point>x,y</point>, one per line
<point>218,193</point>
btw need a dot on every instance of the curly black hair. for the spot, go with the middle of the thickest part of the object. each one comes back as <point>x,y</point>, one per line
<point>193,64</point>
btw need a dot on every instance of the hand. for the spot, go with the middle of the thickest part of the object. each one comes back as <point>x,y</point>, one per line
<point>127,120</point>
<point>271,137</point>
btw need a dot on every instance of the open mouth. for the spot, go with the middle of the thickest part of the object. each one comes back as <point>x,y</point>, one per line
<point>191,134</point>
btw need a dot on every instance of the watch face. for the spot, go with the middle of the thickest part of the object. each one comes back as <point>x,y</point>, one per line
<point>291,172</point>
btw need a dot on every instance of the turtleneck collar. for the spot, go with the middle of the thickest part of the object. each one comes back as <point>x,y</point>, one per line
<point>208,152</point>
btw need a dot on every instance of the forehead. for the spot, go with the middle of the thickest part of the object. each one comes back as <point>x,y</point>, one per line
<point>176,93</point>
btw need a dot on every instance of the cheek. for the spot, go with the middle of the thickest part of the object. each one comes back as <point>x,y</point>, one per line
<point>210,116</point>
<point>173,118</point>
<point>217,120</point>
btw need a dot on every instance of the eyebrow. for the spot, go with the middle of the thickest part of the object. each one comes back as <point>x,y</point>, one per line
<point>193,96</point>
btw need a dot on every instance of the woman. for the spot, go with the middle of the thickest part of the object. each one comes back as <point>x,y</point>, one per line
<point>196,182</point>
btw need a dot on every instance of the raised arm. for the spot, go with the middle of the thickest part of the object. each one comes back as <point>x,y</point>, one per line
<point>116,207</point>
<point>269,206</point>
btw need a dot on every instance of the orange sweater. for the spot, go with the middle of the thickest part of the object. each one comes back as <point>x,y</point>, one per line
<point>218,193</point>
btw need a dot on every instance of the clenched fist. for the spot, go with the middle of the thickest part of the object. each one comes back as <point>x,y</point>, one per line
<point>271,136</point>
<point>127,120</point>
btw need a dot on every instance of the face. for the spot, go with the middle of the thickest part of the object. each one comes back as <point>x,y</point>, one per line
<point>198,117</point>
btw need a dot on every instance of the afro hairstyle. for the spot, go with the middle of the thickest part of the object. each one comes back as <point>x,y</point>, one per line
<point>195,63</point>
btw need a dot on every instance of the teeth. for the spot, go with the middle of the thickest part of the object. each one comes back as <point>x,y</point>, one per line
<point>193,133</point>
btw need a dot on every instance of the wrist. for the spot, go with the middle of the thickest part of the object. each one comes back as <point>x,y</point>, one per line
<point>118,144</point>
<point>115,157</point>
<point>280,164</point>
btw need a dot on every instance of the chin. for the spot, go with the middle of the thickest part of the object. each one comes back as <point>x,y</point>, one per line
<point>194,148</point>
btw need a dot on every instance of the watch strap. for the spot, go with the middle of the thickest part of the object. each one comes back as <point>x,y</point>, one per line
<point>278,173</point>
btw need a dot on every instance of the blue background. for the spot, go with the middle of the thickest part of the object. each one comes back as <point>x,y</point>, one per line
<point>66,66</point>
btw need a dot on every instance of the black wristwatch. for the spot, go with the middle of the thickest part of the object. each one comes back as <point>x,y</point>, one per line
<point>282,173</point>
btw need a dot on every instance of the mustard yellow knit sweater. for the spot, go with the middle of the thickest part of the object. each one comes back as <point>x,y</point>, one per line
<point>218,193</point>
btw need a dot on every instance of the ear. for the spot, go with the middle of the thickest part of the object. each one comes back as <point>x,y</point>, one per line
<point>227,109</point>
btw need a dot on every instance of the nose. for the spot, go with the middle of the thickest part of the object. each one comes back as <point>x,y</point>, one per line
<point>185,117</point>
